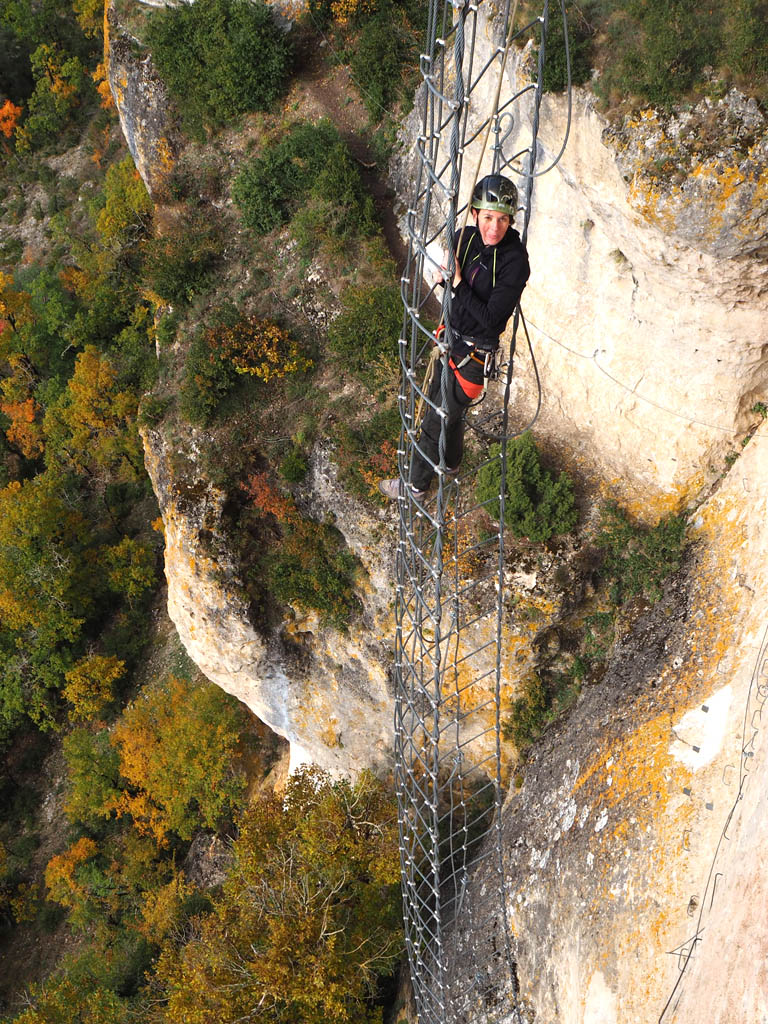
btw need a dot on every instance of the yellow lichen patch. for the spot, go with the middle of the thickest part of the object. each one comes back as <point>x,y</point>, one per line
<point>649,508</point>
<point>331,735</point>
<point>637,768</point>
<point>652,201</point>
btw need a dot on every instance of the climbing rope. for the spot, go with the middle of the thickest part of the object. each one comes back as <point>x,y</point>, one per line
<point>451,613</point>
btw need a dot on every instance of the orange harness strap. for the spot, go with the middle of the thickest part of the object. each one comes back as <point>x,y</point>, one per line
<point>469,387</point>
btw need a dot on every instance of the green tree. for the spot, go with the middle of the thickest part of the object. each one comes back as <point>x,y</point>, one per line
<point>309,917</point>
<point>220,58</point>
<point>60,80</point>
<point>93,769</point>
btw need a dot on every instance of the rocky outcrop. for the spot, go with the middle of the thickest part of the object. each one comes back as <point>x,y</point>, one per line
<point>647,302</point>
<point>633,848</point>
<point>147,115</point>
<point>325,691</point>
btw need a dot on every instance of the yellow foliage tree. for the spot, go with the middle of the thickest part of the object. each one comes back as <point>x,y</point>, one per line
<point>128,206</point>
<point>130,567</point>
<point>15,306</point>
<point>92,429</point>
<point>259,348</point>
<point>89,684</point>
<point>178,747</point>
<point>309,916</point>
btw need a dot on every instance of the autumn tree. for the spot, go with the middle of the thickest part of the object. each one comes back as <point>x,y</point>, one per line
<point>92,428</point>
<point>258,348</point>
<point>90,683</point>
<point>93,772</point>
<point>178,746</point>
<point>59,81</point>
<point>43,585</point>
<point>47,592</point>
<point>309,917</point>
<point>127,208</point>
<point>130,566</point>
<point>15,307</point>
<point>9,118</point>
<point>63,999</point>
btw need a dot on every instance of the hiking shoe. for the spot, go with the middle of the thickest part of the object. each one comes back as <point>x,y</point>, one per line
<point>391,489</point>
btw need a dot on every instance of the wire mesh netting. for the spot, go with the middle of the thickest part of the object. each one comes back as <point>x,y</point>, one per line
<point>453,639</point>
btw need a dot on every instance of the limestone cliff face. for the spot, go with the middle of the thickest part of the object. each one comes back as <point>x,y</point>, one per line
<point>325,691</point>
<point>147,116</point>
<point>648,296</point>
<point>634,847</point>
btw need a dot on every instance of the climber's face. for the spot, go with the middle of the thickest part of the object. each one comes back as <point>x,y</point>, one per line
<point>491,224</point>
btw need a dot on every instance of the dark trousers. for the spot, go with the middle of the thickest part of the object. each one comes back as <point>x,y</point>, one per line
<point>429,439</point>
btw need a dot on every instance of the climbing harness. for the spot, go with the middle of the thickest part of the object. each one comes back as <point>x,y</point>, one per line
<point>451,648</point>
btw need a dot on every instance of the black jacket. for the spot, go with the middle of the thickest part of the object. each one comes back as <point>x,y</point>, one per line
<point>492,281</point>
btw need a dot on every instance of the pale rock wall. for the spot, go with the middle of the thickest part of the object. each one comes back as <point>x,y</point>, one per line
<point>648,296</point>
<point>148,119</point>
<point>641,825</point>
<point>325,691</point>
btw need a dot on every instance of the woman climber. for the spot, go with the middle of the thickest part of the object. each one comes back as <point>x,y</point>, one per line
<point>491,272</point>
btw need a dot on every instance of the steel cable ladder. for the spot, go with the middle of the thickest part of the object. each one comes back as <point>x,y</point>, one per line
<point>450,615</point>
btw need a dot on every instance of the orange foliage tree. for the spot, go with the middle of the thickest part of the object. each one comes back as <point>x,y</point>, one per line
<point>9,118</point>
<point>62,873</point>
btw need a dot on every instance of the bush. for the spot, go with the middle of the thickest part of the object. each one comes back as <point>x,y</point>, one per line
<point>537,506</point>
<point>220,58</point>
<point>527,714</point>
<point>385,48</point>
<point>235,346</point>
<point>746,38</point>
<point>639,558</point>
<point>181,263</point>
<point>309,167</point>
<point>364,335</point>
<point>294,466</point>
<point>310,566</point>
<point>555,77</point>
<point>259,348</point>
<point>207,379</point>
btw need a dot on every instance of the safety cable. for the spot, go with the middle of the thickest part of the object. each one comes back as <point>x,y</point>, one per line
<point>450,611</point>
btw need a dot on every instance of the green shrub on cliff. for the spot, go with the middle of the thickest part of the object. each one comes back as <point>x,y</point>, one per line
<point>639,558</point>
<point>537,505</point>
<point>308,169</point>
<point>219,58</point>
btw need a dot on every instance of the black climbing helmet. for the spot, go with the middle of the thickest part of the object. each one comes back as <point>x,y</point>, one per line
<point>495,192</point>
